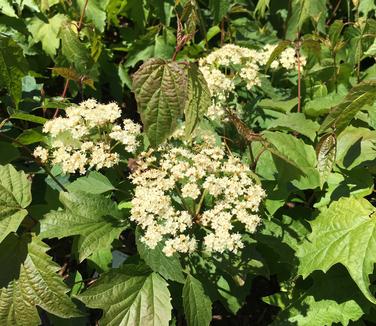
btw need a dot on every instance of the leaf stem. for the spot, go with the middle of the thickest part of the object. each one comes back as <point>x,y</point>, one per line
<point>46,169</point>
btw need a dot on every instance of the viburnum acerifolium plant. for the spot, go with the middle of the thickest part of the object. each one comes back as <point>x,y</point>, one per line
<point>232,67</point>
<point>87,137</point>
<point>194,196</point>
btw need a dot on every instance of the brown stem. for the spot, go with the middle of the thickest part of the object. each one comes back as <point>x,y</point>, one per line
<point>299,75</point>
<point>47,170</point>
<point>222,31</point>
<point>79,27</point>
<point>82,16</point>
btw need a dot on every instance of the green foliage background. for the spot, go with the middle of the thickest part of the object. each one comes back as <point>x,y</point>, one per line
<point>310,139</point>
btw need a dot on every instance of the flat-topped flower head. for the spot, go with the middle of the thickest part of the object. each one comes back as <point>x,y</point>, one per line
<point>84,138</point>
<point>187,196</point>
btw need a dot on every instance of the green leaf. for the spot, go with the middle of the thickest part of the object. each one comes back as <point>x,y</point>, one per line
<point>8,152</point>
<point>321,105</point>
<point>131,295</point>
<point>356,146</point>
<point>197,305</point>
<point>302,11</point>
<point>326,156</point>
<point>46,32</point>
<point>169,267</point>
<point>94,218</point>
<point>30,136</point>
<point>13,67</point>
<point>277,52</point>
<point>294,151</point>
<point>15,196</point>
<point>28,117</point>
<point>261,7</point>
<point>96,12</point>
<point>343,234</point>
<point>296,122</point>
<point>341,115</point>
<point>366,6</point>
<point>198,99</point>
<point>93,183</point>
<point>31,281</point>
<point>280,106</point>
<point>74,50</point>
<point>160,89</point>
<point>218,9</point>
<point>333,298</point>
<point>7,9</point>
<point>335,30</point>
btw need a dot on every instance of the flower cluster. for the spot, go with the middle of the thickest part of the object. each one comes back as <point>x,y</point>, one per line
<point>83,139</point>
<point>193,196</point>
<point>231,65</point>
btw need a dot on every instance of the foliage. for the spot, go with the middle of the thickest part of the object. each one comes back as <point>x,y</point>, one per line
<point>278,96</point>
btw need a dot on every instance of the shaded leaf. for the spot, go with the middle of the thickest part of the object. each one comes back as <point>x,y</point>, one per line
<point>169,267</point>
<point>198,100</point>
<point>13,67</point>
<point>341,115</point>
<point>219,9</point>
<point>34,282</point>
<point>296,122</point>
<point>197,305</point>
<point>15,196</point>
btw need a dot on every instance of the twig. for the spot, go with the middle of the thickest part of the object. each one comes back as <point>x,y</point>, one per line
<point>79,27</point>
<point>297,49</point>
<point>47,170</point>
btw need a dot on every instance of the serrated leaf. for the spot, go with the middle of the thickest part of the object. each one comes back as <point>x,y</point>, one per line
<point>198,99</point>
<point>13,67</point>
<point>219,9</point>
<point>326,156</point>
<point>343,234</point>
<point>34,282</point>
<point>197,305</point>
<point>293,150</point>
<point>15,196</point>
<point>93,183</point>
<point>74,50</point>
<point>130,296</point>
<point>333,298</point>
<point>160,90</point>
<point>8,152</point>
<point>96,12</point>
<point>169,267</point>
<point>7,9</point>
<point>277,52</point>
<point>335,31</point>
<point>341,115</point>
<point>46,32</point>
<point>96,219</point>
<point>296,122</point>
<point>302,11</point>
<point>321,105</point>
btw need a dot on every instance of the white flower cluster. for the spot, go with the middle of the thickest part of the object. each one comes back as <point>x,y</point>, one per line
<point>82,139</point>
<point>194,196</point>
<point>224,68</point>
